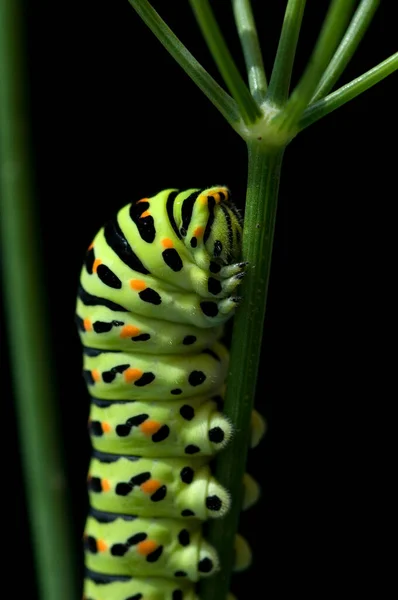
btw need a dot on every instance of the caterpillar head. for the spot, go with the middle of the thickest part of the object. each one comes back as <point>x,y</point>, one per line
<point>214,226</point>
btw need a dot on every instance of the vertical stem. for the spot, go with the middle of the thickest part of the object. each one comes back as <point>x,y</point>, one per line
<point>260,216</point>
<point>24,300</point>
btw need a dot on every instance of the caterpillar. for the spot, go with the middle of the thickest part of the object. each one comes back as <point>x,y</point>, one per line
<point>158,284</point>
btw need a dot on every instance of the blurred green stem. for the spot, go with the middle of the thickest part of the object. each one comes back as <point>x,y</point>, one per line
<point>24,301</point>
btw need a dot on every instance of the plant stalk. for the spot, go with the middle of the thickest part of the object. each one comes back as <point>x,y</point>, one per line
<point>35,397</point>
<point>260,215</point>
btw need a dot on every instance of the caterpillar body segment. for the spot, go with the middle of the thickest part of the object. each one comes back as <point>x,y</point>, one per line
<point>148,547</point>
<point>166,487</point>
<point>164,429</point>
<point>159,429</point>
<point>99,587</point>
<point>137,376</point>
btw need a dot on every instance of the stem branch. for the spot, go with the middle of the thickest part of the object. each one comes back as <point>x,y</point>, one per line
<point>214,92</point>
<point>332,31</point>
<point>281,73</point>
<point>349,91</point>
<point>354,34</point>
<point>249,110</point>
<point>247,31</point>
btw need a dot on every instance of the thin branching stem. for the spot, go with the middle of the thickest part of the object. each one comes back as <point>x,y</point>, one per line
<point>247,32</point>
<point>249,110</point>
<point>349,91</point>
<point>354,34</point>
<point>214,92</point>
<point>280,79</point>
<point>331,33</point>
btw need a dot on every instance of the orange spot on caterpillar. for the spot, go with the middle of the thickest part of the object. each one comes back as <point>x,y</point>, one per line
<point>150,486</point>
<point>132,375</point>
<point>105,427</point>
<point>129,330</point>
<point>221,191</point>
<point>203,200</point>
<point>96,375</point>
<point>143,200</point>
<point>96,264</point>
<point>137,284</point>
<point>87,325</point>
<point>91,246</point>
<point>101,546</point>
<point>146,213</point>
<point>105,485</point>
<point>149,427</point>
<point>167,243</point>
<point>198,231</point>
<point>146,547</point>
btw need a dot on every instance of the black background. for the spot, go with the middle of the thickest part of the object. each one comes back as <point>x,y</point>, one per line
<point>114,118</point>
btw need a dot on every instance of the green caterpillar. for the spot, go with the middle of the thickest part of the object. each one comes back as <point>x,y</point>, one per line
<point>160,280</point>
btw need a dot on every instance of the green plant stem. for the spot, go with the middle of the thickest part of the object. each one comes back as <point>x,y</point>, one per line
<point>247,32</point>
<point>249,110</point>
<point>332,31</point>
<point>214,92</point>
<point>260,214</point>
<point>354,34</point>
<point>349,91</point>
<point>24,302</point>
<point>280,79</point>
